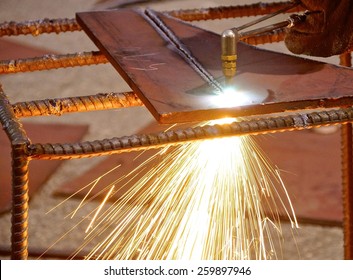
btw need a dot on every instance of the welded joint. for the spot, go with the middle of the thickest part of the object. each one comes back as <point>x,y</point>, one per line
<point>10,123</point>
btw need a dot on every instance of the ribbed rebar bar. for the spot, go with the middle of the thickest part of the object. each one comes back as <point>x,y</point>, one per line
<point>347,187</point>
<point>19,143</point>
<point>51,61</point>
<point>172,137</point>
<point>232,11</point>
<point>347,175</point>
<point>59,106</point>
<point>39,26</point>
<point>20,197</point>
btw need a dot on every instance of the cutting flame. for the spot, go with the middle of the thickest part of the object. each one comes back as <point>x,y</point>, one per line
<point>231,97</point>
<point>206,200</point>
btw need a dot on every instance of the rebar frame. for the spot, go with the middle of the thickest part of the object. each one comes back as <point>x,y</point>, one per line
<point>23,150</point>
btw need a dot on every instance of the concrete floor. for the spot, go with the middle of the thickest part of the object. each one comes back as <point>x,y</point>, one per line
<point>307,242</point>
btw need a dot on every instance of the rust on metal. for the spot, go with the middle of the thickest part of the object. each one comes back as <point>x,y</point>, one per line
<point>347,181</point>
<point>37,27</point>
<point>179,136</point>
<point>347,176</point>
<point>9,122</point>
<point>59,106</point>
<point>51,61</point>
<point>174,92</point>
<point>20,198</point>
<point>20,160</point>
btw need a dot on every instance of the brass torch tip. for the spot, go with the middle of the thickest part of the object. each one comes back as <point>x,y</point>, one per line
<point>229,53</point>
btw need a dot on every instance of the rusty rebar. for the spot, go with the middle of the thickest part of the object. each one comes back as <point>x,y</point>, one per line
<point>37,27</point>
<point>19,143</point>
<point>174,137</point>
<point>347,187</point>
<point>231,11</point>
<point>59,106</point>
<point>52,61</point>
<point>347,175</point>
<point>20,197</point>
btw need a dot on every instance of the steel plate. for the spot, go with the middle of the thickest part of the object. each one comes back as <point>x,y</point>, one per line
<point>267,82</point>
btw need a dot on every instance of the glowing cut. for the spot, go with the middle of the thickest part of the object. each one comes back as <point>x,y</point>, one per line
<point>231,97</point>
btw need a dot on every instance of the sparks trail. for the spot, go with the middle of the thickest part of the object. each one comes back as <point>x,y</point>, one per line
<point>213,199</point>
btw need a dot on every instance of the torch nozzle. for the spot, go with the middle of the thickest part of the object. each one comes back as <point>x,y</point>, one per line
<point>231,37</point>
<point>229,43</point>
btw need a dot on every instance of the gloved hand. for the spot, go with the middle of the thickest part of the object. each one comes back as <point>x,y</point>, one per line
<point>327,30</point>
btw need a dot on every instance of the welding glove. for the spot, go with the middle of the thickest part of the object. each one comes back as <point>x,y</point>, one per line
<point>327,30</point>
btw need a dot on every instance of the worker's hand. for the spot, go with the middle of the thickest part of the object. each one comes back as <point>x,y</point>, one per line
<point>327,30</point>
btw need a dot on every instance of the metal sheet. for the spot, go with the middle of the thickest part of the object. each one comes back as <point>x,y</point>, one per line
<point>174,92</point>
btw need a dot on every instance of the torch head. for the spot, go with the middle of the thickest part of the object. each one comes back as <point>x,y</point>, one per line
<point>229,42</point>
